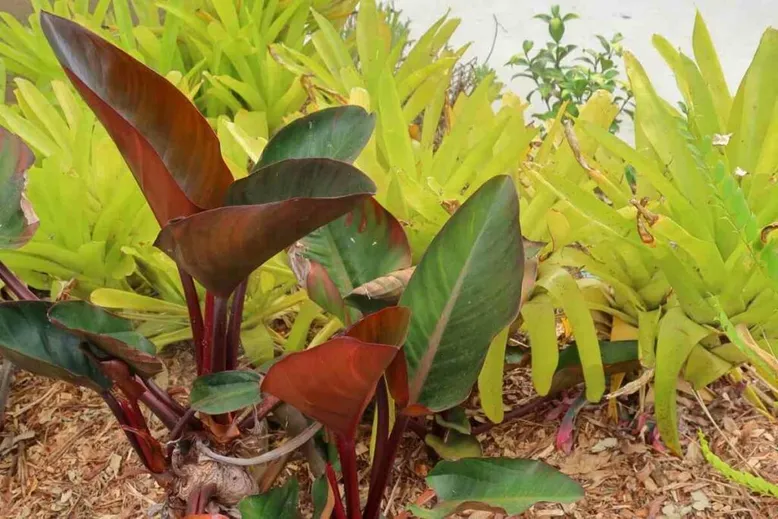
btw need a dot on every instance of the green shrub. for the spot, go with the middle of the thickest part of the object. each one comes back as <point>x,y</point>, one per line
<point>687,252</point>
<point>557,81</point>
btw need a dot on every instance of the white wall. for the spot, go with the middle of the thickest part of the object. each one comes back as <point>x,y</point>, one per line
<point>735,25</point>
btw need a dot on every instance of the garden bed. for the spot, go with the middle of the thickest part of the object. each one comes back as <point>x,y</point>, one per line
<point>71,460</point>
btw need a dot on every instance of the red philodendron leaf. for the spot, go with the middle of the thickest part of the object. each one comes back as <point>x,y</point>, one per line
<point>221,247</point>
<point>332,383</point>
<point>265,213</point>
<point>388,326</point>
<point>169,146</point>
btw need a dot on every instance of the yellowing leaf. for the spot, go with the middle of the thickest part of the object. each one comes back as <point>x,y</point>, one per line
<point>677,337</point>
<point>490,378</point>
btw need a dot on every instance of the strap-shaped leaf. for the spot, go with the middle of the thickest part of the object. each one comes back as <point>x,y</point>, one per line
<point>17,219</point>
<point>677,337</point>
<point>266,213</point>
<point>465,290</point>
<point>337,133</point>
<point>333,382</point>
<point>226,391</point>
<point>501,485</point>
<point>32,342</point>
<point>170,148</point>
<point>108,332</point>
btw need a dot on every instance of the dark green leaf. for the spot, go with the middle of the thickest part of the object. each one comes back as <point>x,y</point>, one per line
<point>226,391</point>
<point>277,503</point>
<point>267,212</point>
<point>500,485</point>
<point>109,333</point>
<point>465,290</point>
<point>32,342</point>
<point>17,219</point>
<point>617,357</point>
<point>335,133</point>
<point>323,499</point>
<point>360,246</point>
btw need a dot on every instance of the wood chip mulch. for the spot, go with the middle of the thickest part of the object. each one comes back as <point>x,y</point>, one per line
<point>63,456</point>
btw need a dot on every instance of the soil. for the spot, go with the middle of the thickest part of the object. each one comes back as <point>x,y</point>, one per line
<point>62,455</point>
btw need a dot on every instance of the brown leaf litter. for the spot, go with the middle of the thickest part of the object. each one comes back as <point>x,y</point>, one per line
<point>62,455</point>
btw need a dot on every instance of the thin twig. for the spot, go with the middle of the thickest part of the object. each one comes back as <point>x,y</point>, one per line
<point>283,450</point>
<point>519,412</point>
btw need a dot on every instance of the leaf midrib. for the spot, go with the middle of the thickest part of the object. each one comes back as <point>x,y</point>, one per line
<point>433,343</point>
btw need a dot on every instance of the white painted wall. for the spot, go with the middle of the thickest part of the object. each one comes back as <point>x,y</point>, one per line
<point>735,25</point>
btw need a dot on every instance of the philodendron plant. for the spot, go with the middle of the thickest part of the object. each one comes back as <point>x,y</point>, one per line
<point>415,358</point>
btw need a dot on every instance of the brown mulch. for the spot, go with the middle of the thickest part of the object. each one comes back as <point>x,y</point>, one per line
<point>63,456</point>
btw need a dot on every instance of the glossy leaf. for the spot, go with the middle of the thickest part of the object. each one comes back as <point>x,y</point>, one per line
<point>500,485</point>
<point>17,219</point>
<point>465,290</point>
<point>170,148</point>
<point>108,332</point>
<point>333,382</point>
<point>266,213</point>
<point>225,391</point>
<point>33,343</point>
<point>337,133</point>
<point>388,326</point>
<point>677,337</point>
<point>455,446</point>
<point>276,503</point>
<point>364,244</point>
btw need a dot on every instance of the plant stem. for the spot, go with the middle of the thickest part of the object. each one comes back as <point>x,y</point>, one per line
<point>167,416</point>
<point>164,396</point>
<point>513,414</point>
<point>178,429</point>
<point>118,413</point>
<point>382,426</point>
<point>384,468</point>
<point>338,511</point>
<point>348,464</point>
<point>193,306</point>
<point>219,335</point>
<point>236,318</point>
<point>198,499</point>
<point>205,365</point>
<point>15,285</point>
